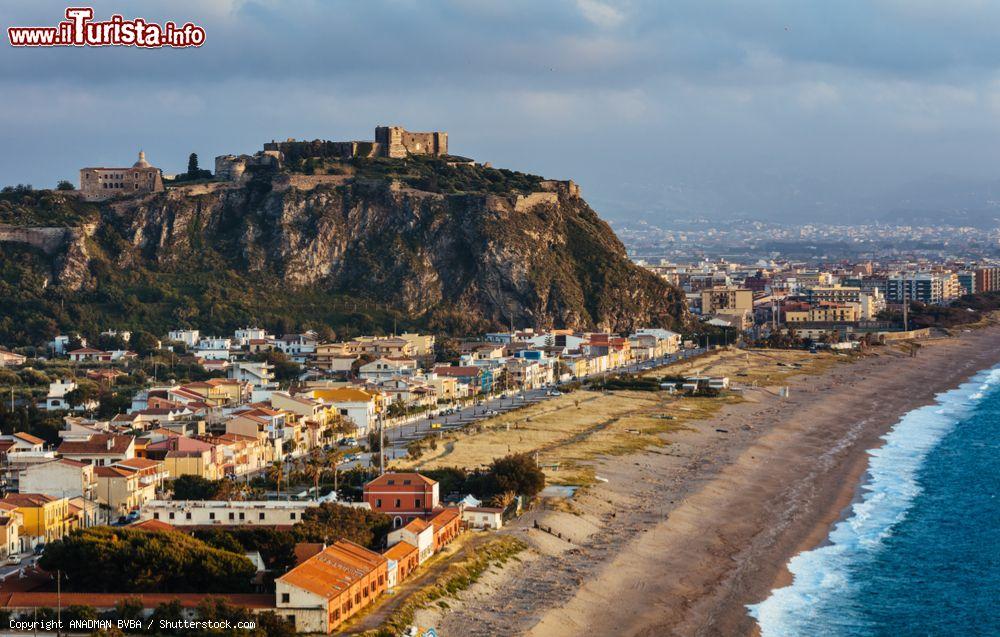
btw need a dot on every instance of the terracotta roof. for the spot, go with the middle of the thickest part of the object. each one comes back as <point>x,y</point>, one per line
<point>416,525</point>
<point>399,551</point>
<point>458,370</point>
<point>110,600</point>
<point>28,499</point>
<point>152,525</point>
<point>111,472</point>
<point>35,440</point>
<point>443,517</point>
<point>305,550</point>
<point>484,509</point>
<point>398,482</point>
<point>333,571</point>
<point>96,445</point>
<point>138,463</point>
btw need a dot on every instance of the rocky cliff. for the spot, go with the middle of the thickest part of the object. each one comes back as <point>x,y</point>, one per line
<point>447,261</point>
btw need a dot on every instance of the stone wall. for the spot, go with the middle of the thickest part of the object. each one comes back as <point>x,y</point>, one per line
<point>49,240</point>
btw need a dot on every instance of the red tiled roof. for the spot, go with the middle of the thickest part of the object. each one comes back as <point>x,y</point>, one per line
<point>96,445</point>
<point>397,482</point>
<point>110,600</point>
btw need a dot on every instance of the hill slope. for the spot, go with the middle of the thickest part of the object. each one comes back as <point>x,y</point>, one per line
<point>379,243</point>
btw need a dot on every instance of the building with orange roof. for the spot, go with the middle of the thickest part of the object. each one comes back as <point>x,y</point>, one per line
<point>324,591</point>
<point>417,532</point>
<point>46,518</point>
<point>447,524</point>
<point>404,558</point>
<point>403,496</point>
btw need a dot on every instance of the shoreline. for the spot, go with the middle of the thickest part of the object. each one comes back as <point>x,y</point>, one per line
<point>682,538</point>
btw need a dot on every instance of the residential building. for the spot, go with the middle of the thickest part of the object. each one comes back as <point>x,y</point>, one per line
<point>10,359</point>
<point>417,532</point>
<point>483,518</point>
<point>726,300</point>
<point>226,513</point>
<point>324,591</point>
<point>59,478</point>
<point>402,496</point>
<point>46,518</point>
<point>99,449</point>
<point>447,524</point>
<point>404,558</point>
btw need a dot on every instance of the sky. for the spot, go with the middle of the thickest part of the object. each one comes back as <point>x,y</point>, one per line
<point>795,110</point>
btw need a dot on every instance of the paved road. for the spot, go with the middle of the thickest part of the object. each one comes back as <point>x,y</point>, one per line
<point>397,437</point>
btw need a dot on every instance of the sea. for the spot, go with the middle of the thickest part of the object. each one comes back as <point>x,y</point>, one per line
<point>918,551</point>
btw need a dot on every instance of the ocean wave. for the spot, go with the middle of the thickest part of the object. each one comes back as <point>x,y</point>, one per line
<point>819,599</point>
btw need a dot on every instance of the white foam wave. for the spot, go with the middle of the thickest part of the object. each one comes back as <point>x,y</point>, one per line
<point>821,576</point>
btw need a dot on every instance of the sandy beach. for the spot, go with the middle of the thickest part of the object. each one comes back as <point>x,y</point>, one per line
<point>680,538</point>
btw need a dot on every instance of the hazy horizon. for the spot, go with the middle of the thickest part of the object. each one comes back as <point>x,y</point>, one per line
<point>782,110</point>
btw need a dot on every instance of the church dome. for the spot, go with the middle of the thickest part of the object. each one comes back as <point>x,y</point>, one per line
<point>142,163</point>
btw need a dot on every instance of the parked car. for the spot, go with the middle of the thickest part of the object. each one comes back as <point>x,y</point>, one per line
<point>14,559</point>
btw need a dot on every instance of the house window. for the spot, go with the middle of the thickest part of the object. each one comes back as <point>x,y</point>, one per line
<point>171,515</point>
<point>406,482</point>
<point>243,516</point>
<point>232,516</point>
<point>156,516</point>
<point>211,516</point>
<point>285,598</point>
<point>187,515</point>
<point>416,503</point>
<point>260,516</point>
<point>378,503</point>
<point>399,503</point>
<point>293,515</point>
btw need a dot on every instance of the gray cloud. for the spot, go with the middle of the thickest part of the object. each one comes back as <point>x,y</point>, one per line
<point>688,107</point>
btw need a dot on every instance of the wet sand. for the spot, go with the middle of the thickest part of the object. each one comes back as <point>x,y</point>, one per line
<point>680,539</point>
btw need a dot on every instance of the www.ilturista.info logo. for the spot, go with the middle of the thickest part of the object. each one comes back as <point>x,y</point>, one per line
<point>79,29</point>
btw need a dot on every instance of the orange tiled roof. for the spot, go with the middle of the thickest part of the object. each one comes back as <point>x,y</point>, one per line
<point>443,517</point>
<point>400,551</point>
<point>397,480</point>
<point>333,571</point>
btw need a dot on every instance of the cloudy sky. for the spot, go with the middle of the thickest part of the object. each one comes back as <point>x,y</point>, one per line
<point>773,108</point>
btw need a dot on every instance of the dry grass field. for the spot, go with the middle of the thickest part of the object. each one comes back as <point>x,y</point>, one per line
<point>566,431</point>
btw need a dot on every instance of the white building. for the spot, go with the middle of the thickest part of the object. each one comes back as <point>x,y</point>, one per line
<point>61,478</point>
<point>56,398</point>
<point>213,348</point>
<point>188,337</point>
<point>226,513</point>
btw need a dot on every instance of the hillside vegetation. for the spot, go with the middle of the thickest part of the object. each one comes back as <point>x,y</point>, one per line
<point>414,244</point>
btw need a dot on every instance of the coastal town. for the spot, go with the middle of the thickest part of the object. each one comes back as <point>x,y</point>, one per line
<point>327,480</point>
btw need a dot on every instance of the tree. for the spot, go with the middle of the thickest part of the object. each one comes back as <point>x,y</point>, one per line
<point>192,166</point>
<point>276,472</point>
<point>106,559</point>
<point>192,487</point>
<point>65,185</point>
<point>329,522</point>
<point>518,473</point>
<point>144,343</point>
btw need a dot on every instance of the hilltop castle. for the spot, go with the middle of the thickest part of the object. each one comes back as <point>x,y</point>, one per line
<point>390,141</point>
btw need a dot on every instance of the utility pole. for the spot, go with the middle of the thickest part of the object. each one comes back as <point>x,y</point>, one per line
<point>381,444</point>
<point>58,602</point>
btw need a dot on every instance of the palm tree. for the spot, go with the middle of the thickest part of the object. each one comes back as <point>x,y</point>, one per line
<point>277,472</point>
<point>314,467</point>
<point>334,459</point>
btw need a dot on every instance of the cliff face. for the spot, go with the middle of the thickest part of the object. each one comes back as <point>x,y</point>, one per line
<point>472,256</point>
<point>446,261</point>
